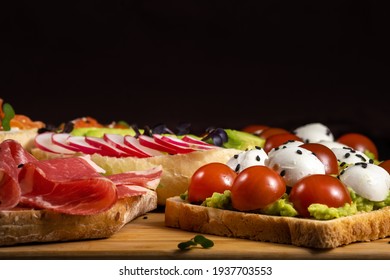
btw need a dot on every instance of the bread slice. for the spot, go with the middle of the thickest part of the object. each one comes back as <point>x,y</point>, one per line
<point>26,225</point>
<point>286,230</point>
<point>25,137</point>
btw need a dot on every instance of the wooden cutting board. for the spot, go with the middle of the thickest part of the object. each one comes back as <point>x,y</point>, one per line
<point>147,238</point>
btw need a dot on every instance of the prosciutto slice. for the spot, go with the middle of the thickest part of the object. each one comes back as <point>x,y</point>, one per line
<point>145,178</point>
<point>67,185</point>
<point>12,158</point>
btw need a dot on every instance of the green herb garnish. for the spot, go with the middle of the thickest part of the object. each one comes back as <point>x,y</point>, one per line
<point>194,242</point>
<point>9,113</point>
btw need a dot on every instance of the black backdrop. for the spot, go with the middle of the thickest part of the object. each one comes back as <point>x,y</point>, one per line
<point>211,63</point>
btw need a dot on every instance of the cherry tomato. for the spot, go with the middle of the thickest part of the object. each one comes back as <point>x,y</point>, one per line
<point>276,140</point>
<point>359,142</point>
<point>272,131</point>
<point>325,155</point>
<point>386,165</point>
<point>255,128</point>
<point>318,188</point>
<point>210,178</point>
<point>256,187</point>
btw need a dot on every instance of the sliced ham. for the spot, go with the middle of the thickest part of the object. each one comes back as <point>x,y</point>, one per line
<point>12,158</point>
<point>146,178</point>
<point>66,185</point>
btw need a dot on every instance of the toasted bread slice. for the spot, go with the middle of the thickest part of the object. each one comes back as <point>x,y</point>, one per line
<point>286,230</point>
<point>25,225</point>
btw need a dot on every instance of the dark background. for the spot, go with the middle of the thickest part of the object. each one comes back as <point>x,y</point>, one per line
<point>211,63</point>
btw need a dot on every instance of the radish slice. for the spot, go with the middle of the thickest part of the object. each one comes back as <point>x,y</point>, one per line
<point>45,143</point>
<point>166,142</point>
<point>193,140</point>
<point>150,150</point>
<point>61,139</point>
<point>195,145</point>
<point>84,147</point>
<point>106,148</point>
<point>118,141</point>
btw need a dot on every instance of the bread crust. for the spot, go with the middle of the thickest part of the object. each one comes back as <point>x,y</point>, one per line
<point>25,225</point>
<point>286,230</point>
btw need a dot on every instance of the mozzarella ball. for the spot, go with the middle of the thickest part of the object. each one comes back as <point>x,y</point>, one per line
<point>367,180</point>
<point>333,144</point>
<point>246,159</point>
<point>350,156</point>
<point>290,143</point>
<point>314,133</point>
<point>294,163</point>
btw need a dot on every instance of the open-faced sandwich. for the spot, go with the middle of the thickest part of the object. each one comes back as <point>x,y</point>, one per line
<point>121,149</point>
<point>67,198</point>
<point>303,188</point>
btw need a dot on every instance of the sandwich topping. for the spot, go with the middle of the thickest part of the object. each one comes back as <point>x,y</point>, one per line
<point>322,179</point>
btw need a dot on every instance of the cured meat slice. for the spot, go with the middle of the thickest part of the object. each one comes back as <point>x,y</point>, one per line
<point>146,178</point>
<point>66,185</point>
<point>12,157</point>
<point>129,190</point>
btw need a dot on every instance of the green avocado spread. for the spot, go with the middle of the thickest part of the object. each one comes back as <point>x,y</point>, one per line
<point>283,207</point>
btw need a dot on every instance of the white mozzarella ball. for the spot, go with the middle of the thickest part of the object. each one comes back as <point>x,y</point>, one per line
<point>314,133</point>
<point>333,144</point>
<point>246,159</point>
<point>367,180</point>
<point>290,143</point>
<point>350,156</point>
<point>294,163</point>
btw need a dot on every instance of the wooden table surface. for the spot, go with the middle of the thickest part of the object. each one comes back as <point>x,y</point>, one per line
<point>147,238</point>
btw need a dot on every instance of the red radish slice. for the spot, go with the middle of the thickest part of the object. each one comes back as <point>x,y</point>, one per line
<point>107,149</point>
<point>188,145</point>
<point>193,140</point>
<point>136,144</point>
<point>61,139</point>
<point>149,142</point>
<point>159,139</point>
<point>118,141</point>
<point>45,143</point>
<point>84,147</point>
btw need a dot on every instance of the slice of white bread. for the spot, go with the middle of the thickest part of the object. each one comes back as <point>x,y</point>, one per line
<point>25,137</point>
<point>25,226</point>
<point>286,230</point>
<point>177,169</point>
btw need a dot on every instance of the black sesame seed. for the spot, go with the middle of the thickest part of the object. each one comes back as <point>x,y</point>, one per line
<point>361,157</point>
<point>347,155</point>
<point>257,147</point>
<point>342,172</point>
<point>371,161</point>
<point>307,141</point>
<point>235,156</point>
<point>20,165</point>
<point>328,132</point>
<point>342,164</point>
<point>299,152</point>
<point>282,173</point>
<point>284,147</point>
<point>277,148</point>
<point>237,167</point>
<point>364,165</point>
<point>258,158</point>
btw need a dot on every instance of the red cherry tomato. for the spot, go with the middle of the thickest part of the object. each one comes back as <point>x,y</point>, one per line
<point>272,131</point>
<point>210,178</point>
<point>256,187</point>
<point>386,165</point>
<point>359,142</point>
<point>276,140</point>
<point>255,128</point>
<point>325,155</point>
<point>318,188</point>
